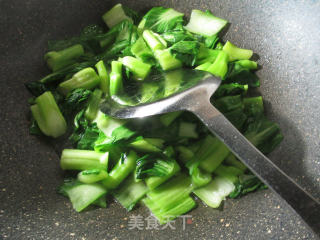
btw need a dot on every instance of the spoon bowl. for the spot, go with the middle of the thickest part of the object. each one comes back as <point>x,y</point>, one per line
<point>197,86</point>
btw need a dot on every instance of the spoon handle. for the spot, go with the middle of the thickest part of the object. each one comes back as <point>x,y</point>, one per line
<point>301,201</point>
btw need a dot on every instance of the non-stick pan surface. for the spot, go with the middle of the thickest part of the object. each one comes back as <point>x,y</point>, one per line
<point>286,36</point>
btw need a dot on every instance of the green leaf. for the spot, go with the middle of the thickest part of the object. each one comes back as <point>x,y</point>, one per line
<point>236,53</point>
<point>130,192</point>
<point>230,89</point>
<point>186,51</point>
<point>160,19</point>
<point>48,115</point>
<point>205,23</point>
<point>36,88</point>
<point>88,138</point>
<point>176,36</point>
<point>253,106</point>
<point>101,202</point>
<point>84,134</point>
<point>142,51</point>
<point>247,184</point>
<point>135,16</point>
<point>264,134</point>
<point>210,42</point>
<point>80,194</point>
<point>60,75</point>
<point>237,117</point>
<point>34,128</point>
<point>168,200</point>
<point>215,192</point>
<point>228,103</point>
<point>115,15</point>
<point>242,75</point>
<point>153,165</point>
<point>122,133</point>
<point>118,138</point>
<point>75,100</point>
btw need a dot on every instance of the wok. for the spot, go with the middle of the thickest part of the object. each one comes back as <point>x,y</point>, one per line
<point>286,36</point>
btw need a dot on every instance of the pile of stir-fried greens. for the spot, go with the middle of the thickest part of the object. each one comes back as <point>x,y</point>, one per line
<point>161,161</point>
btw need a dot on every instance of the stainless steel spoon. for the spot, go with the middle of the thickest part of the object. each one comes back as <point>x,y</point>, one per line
<point>195,98</point>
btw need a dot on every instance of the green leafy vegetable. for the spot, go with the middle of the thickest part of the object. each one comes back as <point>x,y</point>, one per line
<point>36,88</point>
<point>48,115</point>
<point>82,195</point>
<point>247,184</point>
<point>115,15</point>
<point>101,202</point>
<point>92,176</point>
<point>237,117</point>
<point>233,161</point>
<point>74,159</point>
<point>236,53</point>
<point>63,58</point>
<point>228,103</point>
<point>86,78</point>
<point>200,178</point>
<point>120,133</point>
<point>218,152</point>
<point>215,192</point>
<point>130,192</point>
<point>203,66</point>
<point>188,130</point>
<point>139,69</point>
<point>120,171</point>
<point>185,154</point>
<point>186,51</point>
<point>171,199</point>
<point>211,41</point>
<point>149,92</point>
<point>219,67</point>
<point>104,77</point>
<point>204,23</point>
<point>34,128</point>
<point>141,144</point>
<point>176,36</point>
<point>253,106</point>
<point>59,75</point>
<point>160,19</point>
<point>116,85</point>
<point>75,100</point>
<point>88,138</point>
<point>229,172</point>
<point>264,134</point>
<point>168,118</point>
<point>207,55</point>
<point>141,50</point>
<point>183,206</point>
<point>93,106</point>
<point>85,134</point>
<point>231,89</point>
<point>242,75</point>
<point>153,165</point>
<point>155,181</point>
<point>166,60</point>
<point>154,41</point>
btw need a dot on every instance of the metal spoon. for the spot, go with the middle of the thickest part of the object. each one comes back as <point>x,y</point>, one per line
<point>195,97</point>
